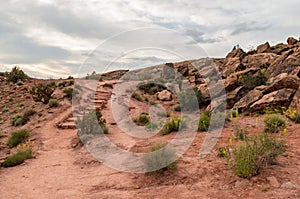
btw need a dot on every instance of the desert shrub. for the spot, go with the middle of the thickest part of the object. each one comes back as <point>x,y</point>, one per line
<point>17,138</point>
<point>21,120</point>
<point>107,85</point>
<point>62,84</point>
<point>70,92</point>
<point>177,107</point>
<point>137,97</point>
<point>65,83</point>
<point>273,123</point>
<point>17,158</point>
<point>160,159</point>
<point>203,122</point>
<point>43,92</point>
<point>222,152</point>
<point>150,126</point>
<point>240,133</point>
<point>297,118</point>
<point>163,114</point>
<point>143,119</point>
<point>293,115</point>
<point>250,81</point>
<point>53,103</point>
<point>248,158</point>
<point>15,75</point>
<point>174,124</point>
<point>233,113</point>
<point>187,99</point>
<point>92,124</point>
<point>151,87</point>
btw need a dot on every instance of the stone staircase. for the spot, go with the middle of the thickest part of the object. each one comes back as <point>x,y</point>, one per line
<point>88,101</point>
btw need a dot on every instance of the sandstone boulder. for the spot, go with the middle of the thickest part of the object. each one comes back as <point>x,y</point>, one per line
<point>285,63</point>
<point>291,41</point>
<point>280,48</point>
<point>282,81</point>
<point>232,65</point>
<point>278,99</point>
<point>235,95</point>
<point>244,103</point>
<point>257,60</point>
<point>264,48</point>
<point>236,53</point>
<point>164,95</point>
<point>295,104</point>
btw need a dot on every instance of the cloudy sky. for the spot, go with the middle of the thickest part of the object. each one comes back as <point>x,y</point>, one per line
<point>57,38</point>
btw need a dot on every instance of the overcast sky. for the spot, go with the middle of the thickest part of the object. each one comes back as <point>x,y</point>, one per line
<point>53,38</point>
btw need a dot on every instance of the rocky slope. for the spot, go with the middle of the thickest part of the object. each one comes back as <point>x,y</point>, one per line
<point>267,76</point>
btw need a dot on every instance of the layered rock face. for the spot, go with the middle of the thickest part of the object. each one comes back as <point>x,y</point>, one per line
<point>268,76</point>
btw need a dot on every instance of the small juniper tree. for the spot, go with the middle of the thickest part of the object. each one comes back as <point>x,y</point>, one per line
<point>43,92</point>
<point>15,75</point>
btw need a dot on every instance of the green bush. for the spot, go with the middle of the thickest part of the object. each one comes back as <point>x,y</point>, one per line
<point>297,118</point>
<point>143,119</point>
<point>161,159</point>
<point>107,85</point>
<point>21,120</point>
<point>188,101</point>
<point>43,92</point>
<point>92,124</point>
<point>17,158</point>
<point>174,124</point>
<point>233,113</point>
<point>17,138</point>
<point>150,126</point>
<point>250,81</point>
<point>151,87</point>
<point>16,75</point>
<point>203,122</point>
<point>177,107</point>
<point>273,123</point>
<point>53,103</point>
<point>65,84</point>
<point>137,97</point>
<point>222,152</point>
<point>70,92</point>
<point>254,153</point>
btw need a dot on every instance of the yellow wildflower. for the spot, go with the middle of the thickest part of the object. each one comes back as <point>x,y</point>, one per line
<point>231,116</point>
<point>231,140</point>
<point>284,131</point>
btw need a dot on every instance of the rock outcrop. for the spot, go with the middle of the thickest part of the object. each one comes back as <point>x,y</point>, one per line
<point>268,76</point>
<point>264,48</point>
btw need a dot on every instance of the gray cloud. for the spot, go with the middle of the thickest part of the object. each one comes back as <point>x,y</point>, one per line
<point>250,27</point>
<point>214,25</point>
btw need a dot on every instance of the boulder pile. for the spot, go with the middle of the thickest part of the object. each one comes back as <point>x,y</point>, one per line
<point>267,76</point>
